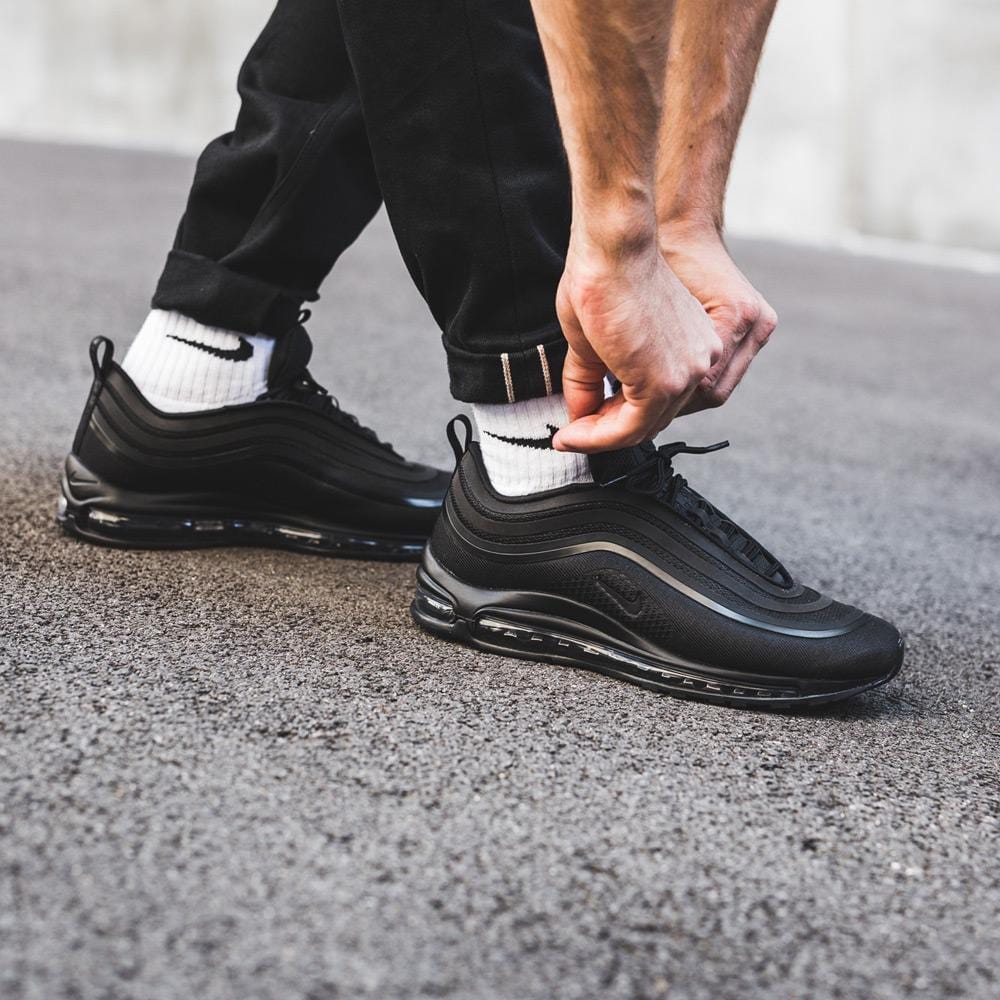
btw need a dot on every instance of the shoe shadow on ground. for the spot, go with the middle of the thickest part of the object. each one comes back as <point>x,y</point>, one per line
<point>348,598</point>
<point>342,595</point>
<point>886,703</point>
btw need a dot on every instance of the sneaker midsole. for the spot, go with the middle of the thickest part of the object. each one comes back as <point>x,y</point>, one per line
<point>93,509</point>
<point>551,627</point>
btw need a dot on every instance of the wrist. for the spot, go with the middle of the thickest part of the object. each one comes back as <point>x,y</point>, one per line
<point>619,229</point>
<point>686,230</point>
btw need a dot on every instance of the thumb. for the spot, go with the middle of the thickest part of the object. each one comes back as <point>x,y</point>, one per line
<point>583,384</point>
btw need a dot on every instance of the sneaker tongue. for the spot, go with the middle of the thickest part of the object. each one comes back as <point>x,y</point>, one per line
<point>292,352</point>
<point>610,465</point>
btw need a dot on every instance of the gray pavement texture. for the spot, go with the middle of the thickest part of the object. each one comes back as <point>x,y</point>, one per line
<point>245,774</point>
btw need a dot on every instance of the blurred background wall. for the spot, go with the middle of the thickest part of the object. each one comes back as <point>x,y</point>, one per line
<point>872,118</point>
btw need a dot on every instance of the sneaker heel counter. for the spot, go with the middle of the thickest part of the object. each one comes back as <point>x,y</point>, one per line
<point>442,540</point>
<point>102,352</point>
<point>453,540</point>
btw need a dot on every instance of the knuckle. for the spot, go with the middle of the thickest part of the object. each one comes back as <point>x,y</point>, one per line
<point>669,386</point>
<point>683,383</point>
<point>701,368</point>
<point>716,396</point>
<point>767,325</point>
<point>716,349</point>
<point>762,336</point>
<point>747,313</point>
<point>577,371</point>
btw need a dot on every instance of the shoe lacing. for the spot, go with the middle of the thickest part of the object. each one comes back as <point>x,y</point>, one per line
<point>301,387</point>
<point>656,477</point>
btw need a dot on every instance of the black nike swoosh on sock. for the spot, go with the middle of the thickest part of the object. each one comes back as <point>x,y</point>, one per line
<point>242,353</point>
<point>542,444</point>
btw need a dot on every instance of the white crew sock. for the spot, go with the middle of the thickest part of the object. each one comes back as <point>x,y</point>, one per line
<point>516,442</point>
<point>177,377</point>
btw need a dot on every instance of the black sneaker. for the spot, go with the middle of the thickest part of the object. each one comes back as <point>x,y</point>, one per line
<point>291,470</point>
<point>640,577</point>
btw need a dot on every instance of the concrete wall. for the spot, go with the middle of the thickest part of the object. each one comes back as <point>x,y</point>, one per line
<point>877,117</point>
<point>158,73</point>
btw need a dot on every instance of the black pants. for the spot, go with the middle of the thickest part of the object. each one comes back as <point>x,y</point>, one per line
<point>441,108</point>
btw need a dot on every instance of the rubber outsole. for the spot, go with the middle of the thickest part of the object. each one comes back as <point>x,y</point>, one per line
<point>116,527</point>
<point>443,607</point>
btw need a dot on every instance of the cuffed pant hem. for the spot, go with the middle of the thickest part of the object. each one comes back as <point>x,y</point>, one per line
<point>509,377</point>
<point>210,293</point>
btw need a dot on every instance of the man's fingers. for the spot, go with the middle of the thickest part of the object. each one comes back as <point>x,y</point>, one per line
<point>583,371</point>
<point>733,323</point>
<point>718,386</point>
<point>618,425</point>
<point>729,347</point>
<point>722,386</point>
<point>583,384</point>
<point>738,366</point>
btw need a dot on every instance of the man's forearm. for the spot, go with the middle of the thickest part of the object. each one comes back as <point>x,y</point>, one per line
<point>715,46</point>
<point>622,310</point>
<point>607,61</point>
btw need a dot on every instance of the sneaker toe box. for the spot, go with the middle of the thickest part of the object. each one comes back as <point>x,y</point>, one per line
<point>873,651</point>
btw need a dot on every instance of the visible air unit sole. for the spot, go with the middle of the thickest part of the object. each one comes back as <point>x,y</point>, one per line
<point>140,525</point>
<point>490,621</point>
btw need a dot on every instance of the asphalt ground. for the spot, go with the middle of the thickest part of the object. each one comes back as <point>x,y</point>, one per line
<point>245,774</point>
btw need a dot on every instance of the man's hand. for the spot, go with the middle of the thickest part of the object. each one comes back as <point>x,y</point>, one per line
<point>628,315</point>
<point>742,317</point>
<point>622,308</point>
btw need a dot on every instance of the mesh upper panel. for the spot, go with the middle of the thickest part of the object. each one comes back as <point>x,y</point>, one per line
<point>806,597</point>
<point>825,617</point>
<point>670,620</point>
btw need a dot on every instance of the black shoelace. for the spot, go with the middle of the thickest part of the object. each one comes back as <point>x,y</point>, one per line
<point>656,477</point>
<point>303,388</point>
<point>308,391</point>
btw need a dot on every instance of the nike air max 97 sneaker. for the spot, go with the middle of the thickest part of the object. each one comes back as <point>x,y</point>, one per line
<point>638,576</point>
<point>291,470</point>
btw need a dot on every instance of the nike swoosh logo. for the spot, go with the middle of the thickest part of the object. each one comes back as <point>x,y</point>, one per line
<point>242,353</point>
<point>542,444</point>
<point>630,605</point>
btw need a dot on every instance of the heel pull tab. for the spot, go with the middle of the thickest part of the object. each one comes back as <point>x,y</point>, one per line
<point>458,446</point>
<point>100,362</point>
